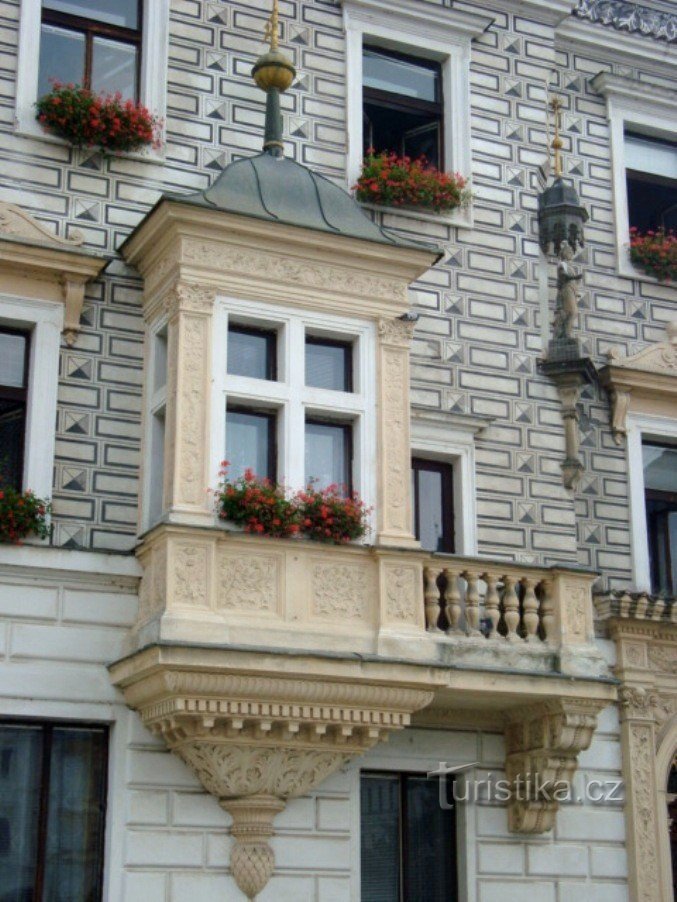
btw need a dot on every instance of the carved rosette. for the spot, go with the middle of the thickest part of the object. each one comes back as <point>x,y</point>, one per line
<point>255,741</point>
<point>395,507</point>
<point>542,745</point>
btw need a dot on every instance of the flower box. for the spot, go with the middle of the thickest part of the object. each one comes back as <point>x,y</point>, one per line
<point>85,119</point>
<point>262,507</point>
<point>655,252</point>
<point>391,181</point>
<point>22,514</point>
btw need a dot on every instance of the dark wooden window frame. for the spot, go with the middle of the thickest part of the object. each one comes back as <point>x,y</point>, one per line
<point>446,470</point>
<point>640,175</point>
<point>404,855</point>
<point>347,429</point>
<point>270,336</point>
<point>657,533</point>
<point>48,727</point>
<point>271,417</point>
<point>403,104</point>
<point>92,28</point>
<point>347,347</point>
<point>12,393</point>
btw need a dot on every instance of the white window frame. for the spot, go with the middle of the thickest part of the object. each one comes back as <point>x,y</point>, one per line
<point>290,396</point>
<point>44,320</point>
<point>430,33</point>
<point>155,399</point>
<point>455,445</point>
<point>648,428</point>
<point>640,106</point>
<point>154,56</point>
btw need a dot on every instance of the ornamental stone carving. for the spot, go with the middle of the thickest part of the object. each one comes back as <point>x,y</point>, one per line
<point>542,745</point>
<point>280,269</point>
<point>192,407</point>
<point>631,17</point>
<point>341,590</point>
<point>248,583</point>
<point>255,738</point>
<point>401,596</point>
<point>189,572</point>
<point>18,223</point>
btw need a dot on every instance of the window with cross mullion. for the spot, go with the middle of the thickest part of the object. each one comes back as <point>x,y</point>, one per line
<point>92,43</point>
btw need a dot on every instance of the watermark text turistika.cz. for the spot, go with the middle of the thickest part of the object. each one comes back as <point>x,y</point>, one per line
<point>527,787</point>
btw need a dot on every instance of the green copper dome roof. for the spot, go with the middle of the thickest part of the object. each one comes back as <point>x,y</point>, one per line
<point>277,189</point>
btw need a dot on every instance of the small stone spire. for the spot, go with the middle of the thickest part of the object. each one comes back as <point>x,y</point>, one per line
<point>557,143</point>
<point>273,73</point>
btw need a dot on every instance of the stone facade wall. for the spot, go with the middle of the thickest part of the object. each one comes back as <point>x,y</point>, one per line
<point>167,839</point>
<point>481,329</point>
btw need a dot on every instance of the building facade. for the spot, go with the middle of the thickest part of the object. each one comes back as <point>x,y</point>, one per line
<point>188,711</point>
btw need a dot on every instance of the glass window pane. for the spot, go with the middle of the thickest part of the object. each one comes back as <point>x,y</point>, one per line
<point>62,57</point>
<point>660,468</point>
<point>251,352</point>
<point>75,824</point>
<point>12,430</point>
<point>248,443</point>
<point>114,68</point>
<point>429,840</point>
<point>160,374</point>
<point>20,765</point>
<point>404,77</point>
<point>13,350</point>
<point>328,365</point>
<point>157,465</point>
<point>327,459</point>
<point>380,839</point>
<point>123,13</point>
<point>645,155</point>
<point>430,510</point>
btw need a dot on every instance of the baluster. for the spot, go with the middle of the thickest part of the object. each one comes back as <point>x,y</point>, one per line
<point>511,608</point>
<point>432,598</point>
<point>624,604</point>
<point>547,610</point>
<point>658,609</point>
<point>642,605</point>
<point>472,604</point>
<point>452,601</point>
<point>491,604</point>
<point>530,608</point>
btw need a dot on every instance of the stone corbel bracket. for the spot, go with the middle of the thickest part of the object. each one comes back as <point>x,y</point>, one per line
<point>256,739</point>
<point>569,377</point>
<point>542,747</point>
<point>34,263</point>
<point>645,382</point>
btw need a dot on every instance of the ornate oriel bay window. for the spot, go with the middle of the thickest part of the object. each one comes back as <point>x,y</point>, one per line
<point>278,335</point>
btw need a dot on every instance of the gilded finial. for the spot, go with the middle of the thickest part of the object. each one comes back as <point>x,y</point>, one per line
<point>272,30</point>
<point>557,143</point>
<point>273,73</point>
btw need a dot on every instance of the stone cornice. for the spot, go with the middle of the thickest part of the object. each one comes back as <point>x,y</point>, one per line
<point>630,17</point>
<point>549,12</point>
<point>616,46</point>
<point>233,254</point>
<point>633,91</point>
<point>35,263</point>
<point>651,374</point>
<point>419,18</point>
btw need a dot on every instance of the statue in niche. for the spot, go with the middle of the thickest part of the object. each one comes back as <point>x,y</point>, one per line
<point>566,309</point>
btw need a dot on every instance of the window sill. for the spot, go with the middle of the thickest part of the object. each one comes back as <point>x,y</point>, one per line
<point>31,129</point>
<point>628,270</point>
<point>462,218</point>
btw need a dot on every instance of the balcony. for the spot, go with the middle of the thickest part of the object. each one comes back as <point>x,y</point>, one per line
<point>220,587</point>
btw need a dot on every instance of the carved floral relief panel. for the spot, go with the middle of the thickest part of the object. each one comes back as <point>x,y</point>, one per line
<point>251,583</point>
<point>344,590</point>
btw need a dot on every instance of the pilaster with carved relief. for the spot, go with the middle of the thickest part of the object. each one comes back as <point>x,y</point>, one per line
<point>187,441</point>
<point>395,511</point>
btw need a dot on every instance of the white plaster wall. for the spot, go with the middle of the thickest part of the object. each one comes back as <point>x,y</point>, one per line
<point>167,840</point>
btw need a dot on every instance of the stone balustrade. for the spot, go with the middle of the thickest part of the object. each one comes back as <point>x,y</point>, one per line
<point>221,587</point>
<point>636,606</point>
<point>486,600</point>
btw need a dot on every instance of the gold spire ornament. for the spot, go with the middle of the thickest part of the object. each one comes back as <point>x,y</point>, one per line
<point>273,73</point>
<point>557,143</point>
